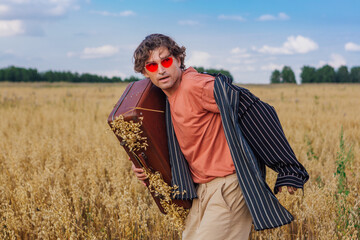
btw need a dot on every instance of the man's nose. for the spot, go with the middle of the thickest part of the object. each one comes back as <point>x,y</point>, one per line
<point>161,69</point>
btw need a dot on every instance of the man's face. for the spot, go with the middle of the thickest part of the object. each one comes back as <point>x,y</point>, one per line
<point>167,78</point>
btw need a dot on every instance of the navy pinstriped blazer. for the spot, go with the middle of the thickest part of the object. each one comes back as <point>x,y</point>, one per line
<point>255,138</point>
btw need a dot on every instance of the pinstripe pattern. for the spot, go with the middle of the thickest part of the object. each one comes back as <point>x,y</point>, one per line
<point>180,171</point>
<point>255,138</point>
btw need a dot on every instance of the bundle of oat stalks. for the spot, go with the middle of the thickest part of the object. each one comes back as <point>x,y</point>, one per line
<point>131,132</point>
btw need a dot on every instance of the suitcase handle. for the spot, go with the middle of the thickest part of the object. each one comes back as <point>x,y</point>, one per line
<point>141,160</point>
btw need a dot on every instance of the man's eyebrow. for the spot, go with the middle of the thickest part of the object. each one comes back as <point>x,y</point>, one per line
<point>160,58</point>
<point>166,56</point>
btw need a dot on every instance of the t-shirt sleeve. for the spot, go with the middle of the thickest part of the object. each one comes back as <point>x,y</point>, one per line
<point>208,99</point>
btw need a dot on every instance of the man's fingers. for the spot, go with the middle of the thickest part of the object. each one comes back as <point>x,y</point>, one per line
<point>140,175</point>
<point>139,172</point>
<point>291,190</point>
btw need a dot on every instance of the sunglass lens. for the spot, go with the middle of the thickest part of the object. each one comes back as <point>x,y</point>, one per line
<point>151,67</point>
<point>167,62</point>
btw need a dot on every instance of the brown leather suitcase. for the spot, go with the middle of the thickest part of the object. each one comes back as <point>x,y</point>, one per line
<point>142,99</point>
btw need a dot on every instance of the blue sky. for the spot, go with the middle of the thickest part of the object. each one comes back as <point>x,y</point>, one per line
<point>248,38</point>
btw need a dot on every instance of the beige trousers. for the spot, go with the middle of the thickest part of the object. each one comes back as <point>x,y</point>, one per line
<point>219,212</point>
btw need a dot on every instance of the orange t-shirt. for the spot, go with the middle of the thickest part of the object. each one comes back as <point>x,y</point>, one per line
<point>198,127</point>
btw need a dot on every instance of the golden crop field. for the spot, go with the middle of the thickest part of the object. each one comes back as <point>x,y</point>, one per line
<point>63,174</point>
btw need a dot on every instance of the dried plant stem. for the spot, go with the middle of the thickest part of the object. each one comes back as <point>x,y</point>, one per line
<point>130,132</point>
<point>175,213</point>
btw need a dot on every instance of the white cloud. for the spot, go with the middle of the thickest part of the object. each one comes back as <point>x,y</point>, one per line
<point>350,46</point>
<point>219,66</point>
<point>272,67</point>
<point>243,68</point>
<point>335,61</point>
<point>28,16</point>
<point>97,52</point>
<point>300,44</point>
<point>188,23</point>
<point>238,50</point>
<point>126,13</point>
<point>272,50</point>
<point>293,45</point>
<point>250,61</point>
<point>232,17</point>
<point>11,28</point>
<point>4,9</point>
<point>35,9</point>
<point>70,54</point>
<point>268,17</point>
<point>238,55</point>
<point>112,73</point>
<point>20,1</point>
<point>243,59</point>
<point>283,16</point>
<point>199,59</point>
<point>102,51</point>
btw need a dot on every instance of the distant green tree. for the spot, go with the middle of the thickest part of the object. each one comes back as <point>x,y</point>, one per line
<point>33,75</point>
<point>16,74</point>
<point>355,74</point>
<point>75,77</point>
<point>199,69</point>
<point>308,74</point>
<point>10,74</point>
<point>287,75</point>
<point>48,76</point>
<point>275,77</point>
<point>131,79</point>
<point>115,79</point>
<point>23,75</point>
<point>68,77</point>
<point>342,75</point>
<point>214,71</point>
<point>326,74</point>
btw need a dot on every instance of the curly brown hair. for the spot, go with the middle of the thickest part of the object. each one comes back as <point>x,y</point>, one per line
<point>153,41</point>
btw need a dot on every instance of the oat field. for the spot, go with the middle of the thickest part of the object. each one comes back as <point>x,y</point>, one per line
<point>63,174</point>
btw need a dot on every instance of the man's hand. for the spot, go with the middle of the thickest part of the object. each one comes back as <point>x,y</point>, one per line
<point>290,189</point>
<point>139,173</point>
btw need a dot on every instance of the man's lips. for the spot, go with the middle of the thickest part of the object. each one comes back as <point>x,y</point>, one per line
<point>163,78</point>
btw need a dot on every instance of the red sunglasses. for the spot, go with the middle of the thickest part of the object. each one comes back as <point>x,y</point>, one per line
<point>166,62</point>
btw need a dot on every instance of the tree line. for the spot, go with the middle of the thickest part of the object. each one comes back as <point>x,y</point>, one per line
<point>213,71</point>
<point>324,74</point>
<point>18,74</point>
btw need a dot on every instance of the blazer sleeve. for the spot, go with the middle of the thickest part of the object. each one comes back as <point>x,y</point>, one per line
<point>261,127</point>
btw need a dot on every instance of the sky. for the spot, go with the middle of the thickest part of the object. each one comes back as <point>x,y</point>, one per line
<point>248,38</point>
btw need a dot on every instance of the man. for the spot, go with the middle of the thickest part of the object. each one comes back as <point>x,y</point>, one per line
<point>220,139</point>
